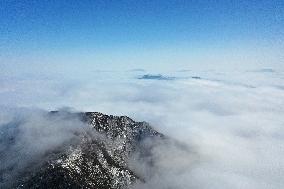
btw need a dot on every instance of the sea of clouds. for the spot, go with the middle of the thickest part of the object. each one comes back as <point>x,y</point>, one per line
<point>232,123</point>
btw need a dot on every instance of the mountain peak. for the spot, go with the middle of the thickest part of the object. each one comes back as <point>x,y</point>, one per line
<point>94,161</point>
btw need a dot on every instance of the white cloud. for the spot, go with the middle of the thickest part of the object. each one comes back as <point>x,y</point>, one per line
<point>233,121</point>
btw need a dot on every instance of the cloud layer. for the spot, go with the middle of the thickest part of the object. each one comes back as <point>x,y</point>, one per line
<point>231,122</point>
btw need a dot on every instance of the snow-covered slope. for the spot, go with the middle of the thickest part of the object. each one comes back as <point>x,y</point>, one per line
<point>97,160</point>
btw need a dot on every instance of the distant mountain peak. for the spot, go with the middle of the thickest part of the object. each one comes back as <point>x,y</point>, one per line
<point>156,77</point>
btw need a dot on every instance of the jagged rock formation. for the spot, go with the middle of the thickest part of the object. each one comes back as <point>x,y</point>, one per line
<point>97,160</point>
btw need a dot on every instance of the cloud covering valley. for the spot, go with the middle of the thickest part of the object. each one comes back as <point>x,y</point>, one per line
<point>232,122</point>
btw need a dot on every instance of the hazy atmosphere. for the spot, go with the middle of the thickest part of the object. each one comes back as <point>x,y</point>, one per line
<point>207,74</point>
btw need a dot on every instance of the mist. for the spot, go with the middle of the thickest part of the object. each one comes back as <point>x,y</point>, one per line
<point>228,126</point>
<point>29,134</point>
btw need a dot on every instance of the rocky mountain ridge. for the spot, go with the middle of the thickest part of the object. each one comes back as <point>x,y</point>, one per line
<point>97,160</point>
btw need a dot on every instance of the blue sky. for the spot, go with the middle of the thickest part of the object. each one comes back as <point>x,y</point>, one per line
<point>141,34</point>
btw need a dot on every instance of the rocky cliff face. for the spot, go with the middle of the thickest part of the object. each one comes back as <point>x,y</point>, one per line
<point>96,160</point>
